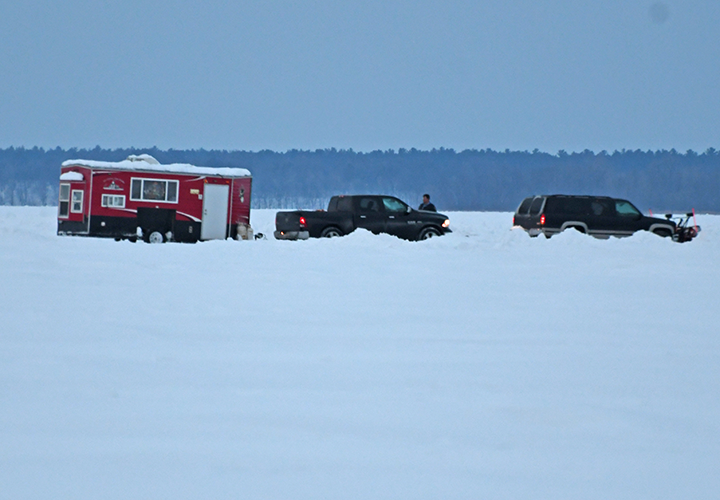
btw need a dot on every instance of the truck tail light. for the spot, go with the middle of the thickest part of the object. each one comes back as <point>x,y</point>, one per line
<point>542,220</point>
<point>446,223</point>
<point>302,221</point>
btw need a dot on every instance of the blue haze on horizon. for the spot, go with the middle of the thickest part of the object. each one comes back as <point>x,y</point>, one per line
<point>367,75</point>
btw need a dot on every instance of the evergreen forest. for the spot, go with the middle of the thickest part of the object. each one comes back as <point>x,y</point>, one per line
<point>483,180</point>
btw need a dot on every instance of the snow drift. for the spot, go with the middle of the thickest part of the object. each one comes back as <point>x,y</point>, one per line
<point>483,364</point>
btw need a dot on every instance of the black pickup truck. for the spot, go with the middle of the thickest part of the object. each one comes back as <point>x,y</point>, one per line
<point>376,213</point>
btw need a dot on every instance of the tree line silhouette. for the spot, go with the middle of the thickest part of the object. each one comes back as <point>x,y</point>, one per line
<point>457,180</point>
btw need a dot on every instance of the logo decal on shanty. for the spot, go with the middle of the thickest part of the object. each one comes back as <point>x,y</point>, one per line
<point>113,185</point>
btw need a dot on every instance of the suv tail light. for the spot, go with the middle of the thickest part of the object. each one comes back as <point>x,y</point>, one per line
<point>302,221</point>
<point>542,220</point>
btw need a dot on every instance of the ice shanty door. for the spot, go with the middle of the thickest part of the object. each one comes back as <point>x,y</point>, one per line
<point>215,211</point>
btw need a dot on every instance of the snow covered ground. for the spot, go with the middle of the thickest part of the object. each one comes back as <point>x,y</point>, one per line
<point>480,365</point>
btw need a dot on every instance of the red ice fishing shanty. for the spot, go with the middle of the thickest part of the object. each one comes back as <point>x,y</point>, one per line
<point>139,197</point>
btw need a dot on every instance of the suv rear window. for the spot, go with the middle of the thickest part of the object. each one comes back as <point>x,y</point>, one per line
<point>536,205</point>
<point>524,206</point>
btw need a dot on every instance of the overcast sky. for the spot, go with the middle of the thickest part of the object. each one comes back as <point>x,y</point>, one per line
<point>366,75</point>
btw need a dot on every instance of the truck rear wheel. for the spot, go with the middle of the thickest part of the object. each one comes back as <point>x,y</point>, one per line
<point>331,232</point>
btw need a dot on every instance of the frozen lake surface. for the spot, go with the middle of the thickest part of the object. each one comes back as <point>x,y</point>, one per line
<point>483,364</point>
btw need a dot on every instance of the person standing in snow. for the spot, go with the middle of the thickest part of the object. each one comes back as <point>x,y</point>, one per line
<point>426,205</point>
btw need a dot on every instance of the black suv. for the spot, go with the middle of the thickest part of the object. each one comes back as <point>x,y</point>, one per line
<point>598,216</point>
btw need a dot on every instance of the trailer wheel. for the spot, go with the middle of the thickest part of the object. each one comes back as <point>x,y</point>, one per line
<point>155,237</point>
<point>330,232</point>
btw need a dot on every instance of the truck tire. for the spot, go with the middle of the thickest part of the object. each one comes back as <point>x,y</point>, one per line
<point>331,232</point>
<point>427,233</point>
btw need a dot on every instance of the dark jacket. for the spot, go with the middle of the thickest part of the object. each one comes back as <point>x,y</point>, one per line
<point>429,207</point>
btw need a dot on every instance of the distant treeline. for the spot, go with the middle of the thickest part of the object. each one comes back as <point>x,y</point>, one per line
<point>457,180</point>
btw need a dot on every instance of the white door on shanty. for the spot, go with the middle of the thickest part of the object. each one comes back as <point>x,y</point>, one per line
<point>215,212</point>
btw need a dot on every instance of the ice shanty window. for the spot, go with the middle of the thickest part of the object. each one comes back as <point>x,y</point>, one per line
<point>154,190</point>
<point>113,201</point>
<point>77,201</point>
<point>64,204</point>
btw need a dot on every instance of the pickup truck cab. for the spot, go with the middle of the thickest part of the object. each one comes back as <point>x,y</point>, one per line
<point>376,213</point>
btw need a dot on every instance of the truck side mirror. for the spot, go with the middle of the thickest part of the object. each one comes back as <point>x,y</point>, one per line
<point>408,209</point>
<point>668,216</point>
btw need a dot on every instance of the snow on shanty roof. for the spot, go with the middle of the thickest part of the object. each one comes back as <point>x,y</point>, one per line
<point>72,176</point>
<point>146,162</point>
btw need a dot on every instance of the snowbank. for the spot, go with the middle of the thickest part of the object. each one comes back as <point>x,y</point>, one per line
<point>483,364</point>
